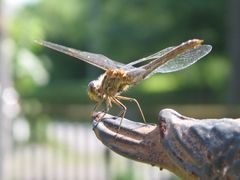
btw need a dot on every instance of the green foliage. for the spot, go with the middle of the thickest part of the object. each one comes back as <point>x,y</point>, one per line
<point>124,31</point>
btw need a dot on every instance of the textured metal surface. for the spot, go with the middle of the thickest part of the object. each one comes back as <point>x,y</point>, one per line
<point>190,148</point>
<point>208,148</point>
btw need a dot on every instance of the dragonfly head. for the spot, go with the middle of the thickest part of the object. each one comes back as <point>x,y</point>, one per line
<point>93,92</point>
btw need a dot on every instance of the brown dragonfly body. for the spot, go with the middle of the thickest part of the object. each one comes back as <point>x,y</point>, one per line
<point>118,77</point>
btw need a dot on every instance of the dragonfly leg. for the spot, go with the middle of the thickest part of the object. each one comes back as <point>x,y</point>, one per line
<point>97,105</point>
<point>134,100</point>
<point>105,111</point>
<point>123,112</point>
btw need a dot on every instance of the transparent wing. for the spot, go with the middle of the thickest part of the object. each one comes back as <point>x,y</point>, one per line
<point>183,60</point>
<point>176,63</point>
<point>151,57</point>
<point>97,60</point>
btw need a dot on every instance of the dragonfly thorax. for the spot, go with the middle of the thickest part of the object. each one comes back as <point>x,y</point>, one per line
<point>110,84</point>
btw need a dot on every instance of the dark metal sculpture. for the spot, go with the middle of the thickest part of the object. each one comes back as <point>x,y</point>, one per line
<point>190,148</point>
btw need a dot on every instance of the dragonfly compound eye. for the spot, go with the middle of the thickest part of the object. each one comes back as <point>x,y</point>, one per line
<point>93,91</point>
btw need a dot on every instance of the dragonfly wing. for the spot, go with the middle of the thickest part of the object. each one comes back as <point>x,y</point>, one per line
<point>97,60</point>
<point>151,57</point>
<point>183,60</point>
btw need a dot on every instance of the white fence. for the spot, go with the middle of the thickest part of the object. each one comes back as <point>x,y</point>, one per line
<point>71,152</point>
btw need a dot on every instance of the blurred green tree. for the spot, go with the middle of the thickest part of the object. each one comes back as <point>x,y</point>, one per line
<point>125,31</point>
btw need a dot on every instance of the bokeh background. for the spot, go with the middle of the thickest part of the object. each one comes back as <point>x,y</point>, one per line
<point>45,114</point>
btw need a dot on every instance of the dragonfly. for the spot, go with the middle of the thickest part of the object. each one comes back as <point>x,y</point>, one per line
<point>118,77</point>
